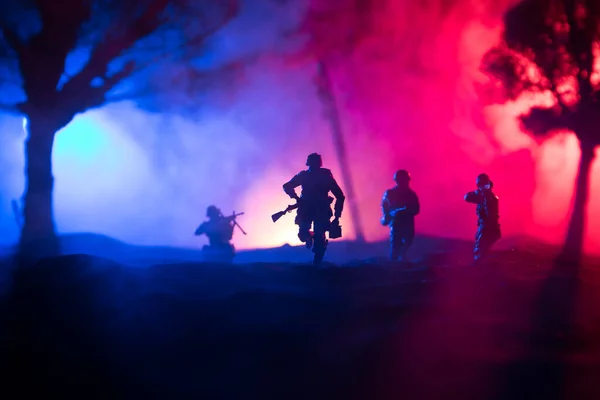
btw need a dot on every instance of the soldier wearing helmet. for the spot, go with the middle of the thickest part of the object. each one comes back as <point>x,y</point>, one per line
<point>488,216</point>
<point>212,212</point>
<point>314,204</point>
<point>400,205</point>
<point>219,230</point>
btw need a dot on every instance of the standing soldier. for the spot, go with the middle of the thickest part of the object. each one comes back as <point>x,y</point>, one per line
<point>400,205</point>
<point>488,216</point>
<point>314,204</point>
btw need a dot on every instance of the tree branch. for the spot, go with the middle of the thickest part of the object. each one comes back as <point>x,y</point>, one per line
<point>580,46</point>
<point>113,47</point>
<point>48,49</point>
<point>515,74</point>
<point>130,96</point>
<point>191,83</point>
<point>149,22</point>
<point>192,44</point>
<point>12,40</point>
<point>10,109</point>
<point>134,21</point>
<point>232,8</point>
<point>542,122</point>
<point>559,101</point>
<point>542,39</point>
<point>96,96</point>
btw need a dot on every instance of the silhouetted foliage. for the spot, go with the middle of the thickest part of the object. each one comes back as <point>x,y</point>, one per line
<point>549,47</point>
<point>70,56</point>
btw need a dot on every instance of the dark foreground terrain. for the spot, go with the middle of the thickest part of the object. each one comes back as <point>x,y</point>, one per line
<point>519,328</point>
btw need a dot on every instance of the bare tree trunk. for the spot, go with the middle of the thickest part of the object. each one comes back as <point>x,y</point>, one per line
<point>328,97</point>
<point>38,233</point>
<point>572,250</point>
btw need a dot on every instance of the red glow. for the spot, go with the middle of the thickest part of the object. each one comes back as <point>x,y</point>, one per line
<point>417,108</point>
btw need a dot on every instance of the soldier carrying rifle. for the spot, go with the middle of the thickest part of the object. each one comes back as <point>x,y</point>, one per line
<point>219,230</point>
<point>314,205</point>
<point>488,216</point>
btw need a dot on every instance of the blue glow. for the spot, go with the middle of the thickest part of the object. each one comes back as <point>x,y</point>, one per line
<point>98,168</point>
<point>80,146</point>
<point>83,142</point>
<point>147,178</point>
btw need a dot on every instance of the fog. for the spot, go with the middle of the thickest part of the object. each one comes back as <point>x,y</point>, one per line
<point>408,99</point>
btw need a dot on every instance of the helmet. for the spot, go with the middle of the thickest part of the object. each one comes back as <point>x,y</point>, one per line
<point>483,179</point>
<point>314,160</point>
<point>212,211</point>
<point>402,175</point>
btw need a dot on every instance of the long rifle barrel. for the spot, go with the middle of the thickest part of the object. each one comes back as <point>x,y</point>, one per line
<point>275,217</point>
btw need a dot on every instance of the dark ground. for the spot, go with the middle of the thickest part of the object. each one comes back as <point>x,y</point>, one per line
<point>89,328</point>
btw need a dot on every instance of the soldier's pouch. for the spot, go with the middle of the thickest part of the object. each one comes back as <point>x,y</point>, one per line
<point>335,231</point>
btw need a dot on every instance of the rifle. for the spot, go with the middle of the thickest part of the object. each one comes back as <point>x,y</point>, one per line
<point>396,211</point>
<point>389,217</point>
<point>233,217</point>
<point>275,217</point>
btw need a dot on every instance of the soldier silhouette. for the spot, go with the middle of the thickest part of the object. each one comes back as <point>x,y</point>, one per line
<point>400,205</point>
<point>219,230</point>
<point>488,216</point>
<point>314,204</point>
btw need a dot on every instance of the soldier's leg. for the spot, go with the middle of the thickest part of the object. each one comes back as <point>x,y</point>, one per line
<point>320,239</point>
<point>304,233</point>
<point>480,248</point>
<point>488,237</point>
<point>395,244</point>
<point>407,241</point>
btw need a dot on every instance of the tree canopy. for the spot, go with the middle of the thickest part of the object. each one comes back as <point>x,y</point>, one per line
<point>550,47</point>
<point>81,54</point>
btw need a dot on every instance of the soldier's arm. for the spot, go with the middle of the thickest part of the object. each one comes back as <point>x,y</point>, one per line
<point>491,205</point>
<point>414,206</point>
<point>201,230</point>
<point>290,187</point>
<point>385,209</point>
<point>385,204</point>
<point>340,198</point>
<point>474,197</point>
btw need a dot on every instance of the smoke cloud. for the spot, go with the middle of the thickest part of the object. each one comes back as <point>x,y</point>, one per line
<point>408,99</point>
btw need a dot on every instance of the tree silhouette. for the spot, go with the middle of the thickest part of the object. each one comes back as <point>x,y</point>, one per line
<point>124,45</point>
<point>549,48</point>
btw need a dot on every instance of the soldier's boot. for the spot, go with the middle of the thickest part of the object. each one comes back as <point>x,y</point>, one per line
<point>394,251</point>
<point>319,251</point>
<point>477,252</point>
<point>403,255</point>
